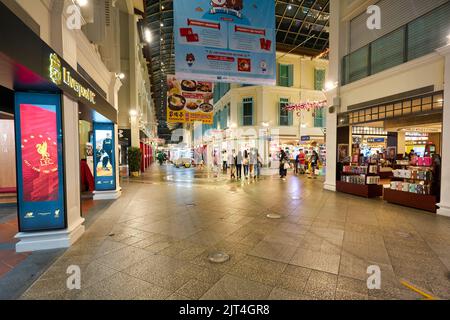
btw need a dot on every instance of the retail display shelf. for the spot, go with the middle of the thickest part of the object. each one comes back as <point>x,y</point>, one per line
<point>412,200</point>
<point>362,190</point>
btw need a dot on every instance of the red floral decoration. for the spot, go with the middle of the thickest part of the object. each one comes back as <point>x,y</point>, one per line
<point>308,106</point>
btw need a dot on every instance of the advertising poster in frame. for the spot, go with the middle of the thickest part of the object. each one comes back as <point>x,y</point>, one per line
<point>104,157</point>
<point>392,153</point>
<point>343,153</point>
<point>40,171</point>
<point>189,101</point>
<point>225,41</point>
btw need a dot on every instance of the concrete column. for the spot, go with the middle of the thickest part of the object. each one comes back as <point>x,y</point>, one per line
<point>33,241</point>
<point>444,205</point>
<point>332,97</point>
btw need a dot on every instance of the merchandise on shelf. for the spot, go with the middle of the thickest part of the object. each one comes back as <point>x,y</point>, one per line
<point>414,174</point>
<point>417,188</point>
<point>373,180</point>
<point>354,179</point>
<point>355,169</point>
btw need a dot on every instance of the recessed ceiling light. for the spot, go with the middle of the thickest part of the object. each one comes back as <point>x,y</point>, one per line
<point>162,24</point>
<point>82,3</point>
<point>289,7</point>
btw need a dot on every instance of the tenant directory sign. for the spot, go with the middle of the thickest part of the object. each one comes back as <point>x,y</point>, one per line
<point>225,41</point>
<point>39,147</point>
<point>104,160</point>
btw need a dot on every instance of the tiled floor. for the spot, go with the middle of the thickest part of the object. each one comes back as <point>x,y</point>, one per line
<point>154,241</point>
<point>9,259</point>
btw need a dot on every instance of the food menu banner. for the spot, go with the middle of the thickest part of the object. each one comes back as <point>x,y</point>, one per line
<point>104,160</point>
<point>41,202</point>
<point>226,40</point>
<point>189,101</point>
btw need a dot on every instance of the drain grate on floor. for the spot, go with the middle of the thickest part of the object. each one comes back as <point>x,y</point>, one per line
<point>273,216</point>
<point>218,257</point>
<point>405,235</point>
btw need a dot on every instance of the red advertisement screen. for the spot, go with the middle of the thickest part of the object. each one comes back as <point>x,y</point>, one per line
<point>39,152</point>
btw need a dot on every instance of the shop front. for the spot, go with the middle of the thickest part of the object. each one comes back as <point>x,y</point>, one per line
<point>392,150</point>
<point>43,98</point>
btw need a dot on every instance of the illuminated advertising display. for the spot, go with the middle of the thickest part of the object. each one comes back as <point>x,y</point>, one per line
<point>189,101</point>
<point>104,158</point>
<point>40,174</point>
<point>225,41</point>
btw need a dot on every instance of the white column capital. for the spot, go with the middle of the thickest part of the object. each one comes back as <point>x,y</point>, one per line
<point>444,51</point>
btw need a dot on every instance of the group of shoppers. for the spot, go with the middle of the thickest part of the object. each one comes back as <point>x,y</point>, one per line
<point>242,164</point>
<point>303,163</point>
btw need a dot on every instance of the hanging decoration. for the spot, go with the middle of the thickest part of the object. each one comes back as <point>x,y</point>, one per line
<point>308,106</point>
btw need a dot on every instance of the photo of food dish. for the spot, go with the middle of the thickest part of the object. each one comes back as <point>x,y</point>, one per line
<point>204,87</point>
<point>189,85</point>
<point>192,105</point>
<point>176,102</point>
<point>206,107</point>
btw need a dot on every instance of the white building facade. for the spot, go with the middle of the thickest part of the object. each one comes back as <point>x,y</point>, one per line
<point>247,116</point>
<point>377,73</point>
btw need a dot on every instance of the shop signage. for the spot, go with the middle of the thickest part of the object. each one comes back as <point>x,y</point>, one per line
<point>225,40</point>
<point>376,140</point>
<point>189,101</point>
<point>40,191</point>
<point>305,138</point>
<point>104,157</point>
<point>60,75</point>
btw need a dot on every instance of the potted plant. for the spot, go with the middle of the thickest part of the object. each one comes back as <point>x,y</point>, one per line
<point>134,161</point>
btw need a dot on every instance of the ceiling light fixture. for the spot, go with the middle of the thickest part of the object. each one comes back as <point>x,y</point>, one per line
<point>148,35</point>
<point>82,3</point>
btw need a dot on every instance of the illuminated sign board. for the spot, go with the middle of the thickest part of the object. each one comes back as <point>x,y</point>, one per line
<point>104,157</point>
<point>60,75</point>
<point>40,174</point>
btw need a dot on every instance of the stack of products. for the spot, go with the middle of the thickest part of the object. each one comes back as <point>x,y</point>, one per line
<point>354,179</point>
<point>403,162</point>
<point>414,174</point>
<point>411,187</point>
<point>373,169</point>
<point>373,180</point>
<point>355,169</point>
<point>423,162</point>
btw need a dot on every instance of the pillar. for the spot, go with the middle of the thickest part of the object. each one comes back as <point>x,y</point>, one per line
<point>33,241</point>
<point>444,205</point>
<point>333,97</point>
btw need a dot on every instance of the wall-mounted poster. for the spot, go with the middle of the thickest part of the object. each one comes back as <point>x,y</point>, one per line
<point>343,153</point>
<point>189,101</point>
<point>392,153</point>
<point>104,158</point>
<point>40,174</point>
<point>225,40</point>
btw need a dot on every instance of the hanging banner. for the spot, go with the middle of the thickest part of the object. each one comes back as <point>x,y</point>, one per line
<point>225,40</point>
<point>189,101</point>
<point>104,160</point>
<point>40,174</point>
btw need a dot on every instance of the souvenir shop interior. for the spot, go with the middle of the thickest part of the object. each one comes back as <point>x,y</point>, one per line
<point>397,158</point>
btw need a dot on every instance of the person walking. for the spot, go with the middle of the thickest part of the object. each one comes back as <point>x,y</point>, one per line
<point>259,164</point>
<point>253,163</point>
<point>245,163</point>
<point>314,164</point>
<point>224,161</point>
<point>239,165</point>
<point>302,161</point>
<point>284,162</point>
<point>232,163</point>
<point>297,163</point>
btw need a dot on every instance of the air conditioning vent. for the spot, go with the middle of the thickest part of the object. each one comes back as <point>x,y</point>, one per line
<point>108,12</point>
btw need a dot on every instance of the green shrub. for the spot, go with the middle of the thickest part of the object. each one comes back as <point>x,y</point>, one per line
<point>134,159</point>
